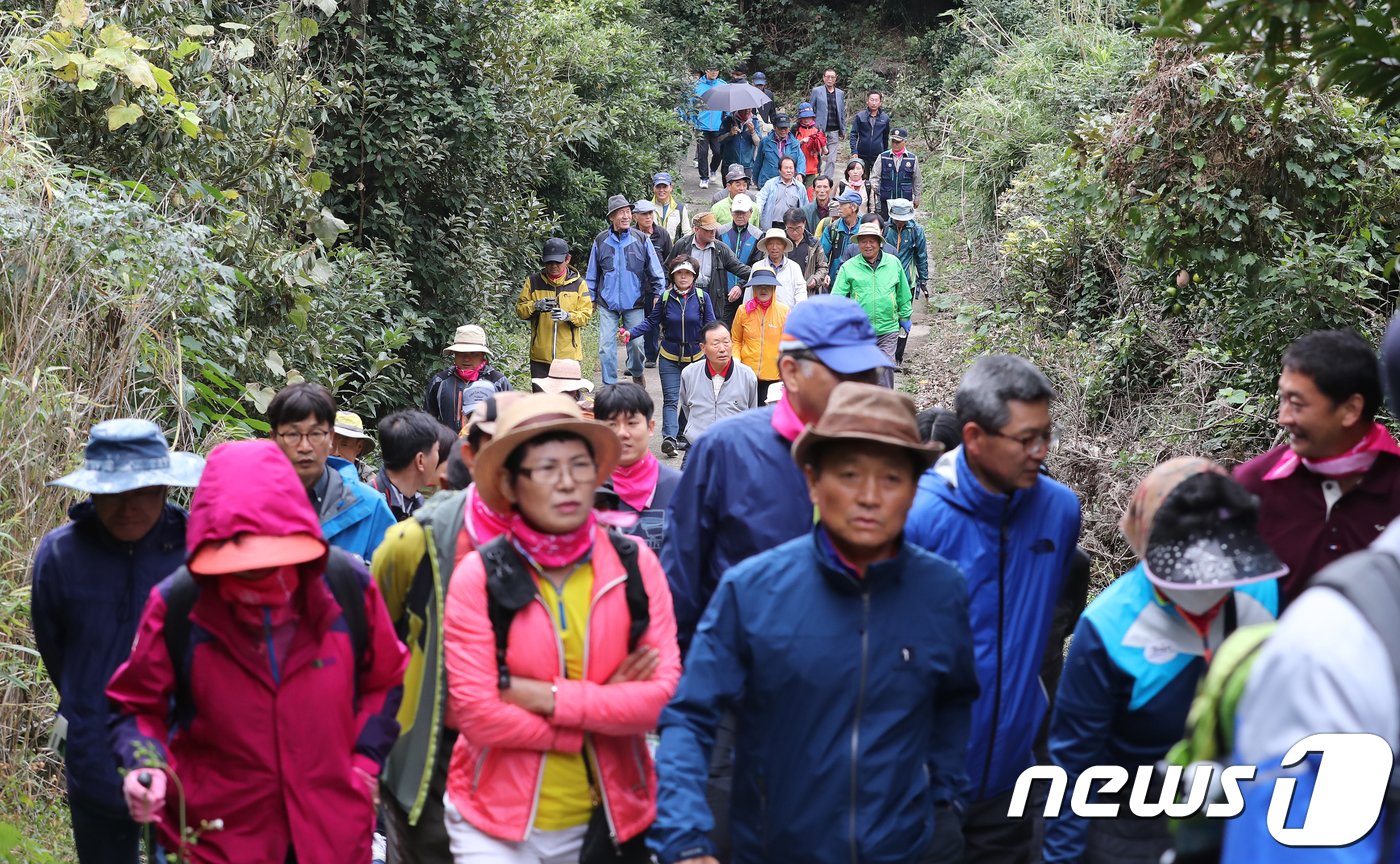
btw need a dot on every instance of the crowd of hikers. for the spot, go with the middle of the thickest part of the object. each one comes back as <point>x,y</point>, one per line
<point>835,634</point>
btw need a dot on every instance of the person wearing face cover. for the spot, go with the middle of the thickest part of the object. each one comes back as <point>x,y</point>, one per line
<point>1143,644</point>
<point>263,726</point>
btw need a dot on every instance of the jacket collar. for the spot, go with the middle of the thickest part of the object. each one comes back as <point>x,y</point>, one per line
<point>961,488</point>
<point>843,579</point>
<point>167,535</point>
<point>728,370</point>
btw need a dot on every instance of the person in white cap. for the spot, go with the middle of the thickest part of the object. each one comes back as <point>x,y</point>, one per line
<point>792,286</point>
<point>742,239</point>
<point>453,392</point>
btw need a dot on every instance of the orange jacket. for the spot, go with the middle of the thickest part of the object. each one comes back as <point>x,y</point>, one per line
<point>756,335</point>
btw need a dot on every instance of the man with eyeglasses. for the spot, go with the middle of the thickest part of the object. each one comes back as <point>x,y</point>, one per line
<point>353,516</point>
<point>988,507</point>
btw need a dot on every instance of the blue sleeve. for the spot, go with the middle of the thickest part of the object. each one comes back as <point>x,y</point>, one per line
<point>650,323</point>
<point>921,255</point>
<point>952,715</point>
<point>503,385</point>
<point>654,273</point>
<point>591,272</point>
<point>689,540</point>
<point>46,606</point>
<point>715,672</point>
<point>1090,694</point>
<point>1247,837</point>
<point>707,309</point>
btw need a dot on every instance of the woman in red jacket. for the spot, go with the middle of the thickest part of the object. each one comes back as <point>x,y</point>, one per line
<point>560,721</point>
<point>278,729</point>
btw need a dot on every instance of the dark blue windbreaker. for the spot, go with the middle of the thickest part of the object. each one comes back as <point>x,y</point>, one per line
<point>852,698</point>
<point>740,494</point>
<point>88,592</point>
<point>1014,552</point>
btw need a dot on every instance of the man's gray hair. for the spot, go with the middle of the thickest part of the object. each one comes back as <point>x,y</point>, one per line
<point>992,382</point>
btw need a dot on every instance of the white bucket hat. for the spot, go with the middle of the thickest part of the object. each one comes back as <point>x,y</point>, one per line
<point>468,338</point>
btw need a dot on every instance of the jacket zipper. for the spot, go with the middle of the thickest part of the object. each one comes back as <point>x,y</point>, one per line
<point>480,766</point>
<point>860,705</point>
<point>271,649</point>
<point>559,650</point>
<point>1001,614</point>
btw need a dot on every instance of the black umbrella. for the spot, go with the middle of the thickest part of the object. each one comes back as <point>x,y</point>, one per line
<point>734,97</point>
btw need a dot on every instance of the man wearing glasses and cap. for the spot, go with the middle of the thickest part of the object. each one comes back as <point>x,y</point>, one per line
<point>988,507</point>
<point>670,209</point>
<point>557,303</point>
<point>90,582</point>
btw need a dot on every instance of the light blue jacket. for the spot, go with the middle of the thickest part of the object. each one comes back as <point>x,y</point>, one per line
<point>623,269</point>
<point>706,121</point>
<point>770,153</point>
<point>356,517</point>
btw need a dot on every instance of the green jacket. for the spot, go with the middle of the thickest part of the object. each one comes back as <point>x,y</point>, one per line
<point>412,568</point>
<point>882,291</point>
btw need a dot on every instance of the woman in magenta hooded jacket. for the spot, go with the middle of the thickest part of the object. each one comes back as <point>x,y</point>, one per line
<point>579,699</point>
<point>279,750</point>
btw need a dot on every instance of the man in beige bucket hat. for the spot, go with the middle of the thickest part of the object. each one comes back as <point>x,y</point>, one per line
<point>454,392</point>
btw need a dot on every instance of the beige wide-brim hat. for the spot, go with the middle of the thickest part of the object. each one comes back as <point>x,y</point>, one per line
<point>868,412</point>
<point>349,424</point>
<point>565,376</point>
<point>526,419</point>
<point>777,234</point>
<point>870,229</point>
<point>468,338</point>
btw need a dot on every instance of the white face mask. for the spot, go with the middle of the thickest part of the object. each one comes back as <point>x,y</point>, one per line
<point>1198,601</point>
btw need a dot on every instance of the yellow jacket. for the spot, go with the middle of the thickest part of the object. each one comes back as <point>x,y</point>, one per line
<point>556,339</point>
<point>757,333</point>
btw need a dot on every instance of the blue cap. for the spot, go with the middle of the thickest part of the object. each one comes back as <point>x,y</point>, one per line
<point>643,205</point>
<point>762,276</point>
<point>759,78</point>
<point>127,454</point>
<point>662,177</point>
<point>838,331</point>
<point>805,112</point>
<point>850,196</point>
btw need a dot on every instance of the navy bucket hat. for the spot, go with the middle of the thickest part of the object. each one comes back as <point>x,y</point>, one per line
<point>128,454</point>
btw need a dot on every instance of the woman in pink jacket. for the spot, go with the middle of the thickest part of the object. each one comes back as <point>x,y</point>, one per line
<point>263,725</point>
<point>552,752</point>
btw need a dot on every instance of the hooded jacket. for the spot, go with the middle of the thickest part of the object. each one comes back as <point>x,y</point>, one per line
<point>677,321</point>
<point>706,121</point>
<point>271,742</point>
<point>87,593</point>
<point>882,291</point>
<point>852,696</point>
<point>1014,550</point>
<point>498,761</point>
<point>740,494</point>
<point>550,339</point>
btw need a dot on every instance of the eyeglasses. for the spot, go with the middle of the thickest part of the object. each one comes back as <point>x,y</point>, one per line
<point>293,438</point>
<point>1033,442</point>
<point>550,474</point>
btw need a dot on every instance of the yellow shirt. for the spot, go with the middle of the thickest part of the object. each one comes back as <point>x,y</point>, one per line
<point>565,799</point>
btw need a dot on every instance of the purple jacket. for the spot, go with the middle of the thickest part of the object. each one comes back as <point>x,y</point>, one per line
<point>1294,521</point>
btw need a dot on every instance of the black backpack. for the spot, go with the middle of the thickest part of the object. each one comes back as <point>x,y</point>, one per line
<point>342,577</point>
<point>509,589</point>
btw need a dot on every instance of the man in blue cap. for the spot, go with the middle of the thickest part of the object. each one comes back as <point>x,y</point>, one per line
<point>760,81</point>
<point>670,209</point>
<point>90,582</point>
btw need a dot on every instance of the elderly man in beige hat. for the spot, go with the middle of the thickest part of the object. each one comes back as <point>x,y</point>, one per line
<point>714,261</point>
<point>792,284</point>
<point>875,629</point>
<point>454,392</point>
<point>350,441</point>
<point>566,376</point>
<point>876,281</point>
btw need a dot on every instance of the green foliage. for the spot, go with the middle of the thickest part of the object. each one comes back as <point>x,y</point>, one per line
<point>1353,44</point>
<point>1197,221</point>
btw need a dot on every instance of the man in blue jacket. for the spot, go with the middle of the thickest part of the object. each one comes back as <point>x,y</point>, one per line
<point>708,148</point>
<point>353,515</point>
<point>90,582</point>
<point>626,276</point>
<point>740,492</point>
<point>1012,531</point>
<point>845,655</point>
<point>775,145</point>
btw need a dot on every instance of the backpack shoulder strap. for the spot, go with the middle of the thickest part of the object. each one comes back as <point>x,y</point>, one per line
<point>509,589</point>
<point>638,604</point>
<point>349,592</point>
<point>179,602</point>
